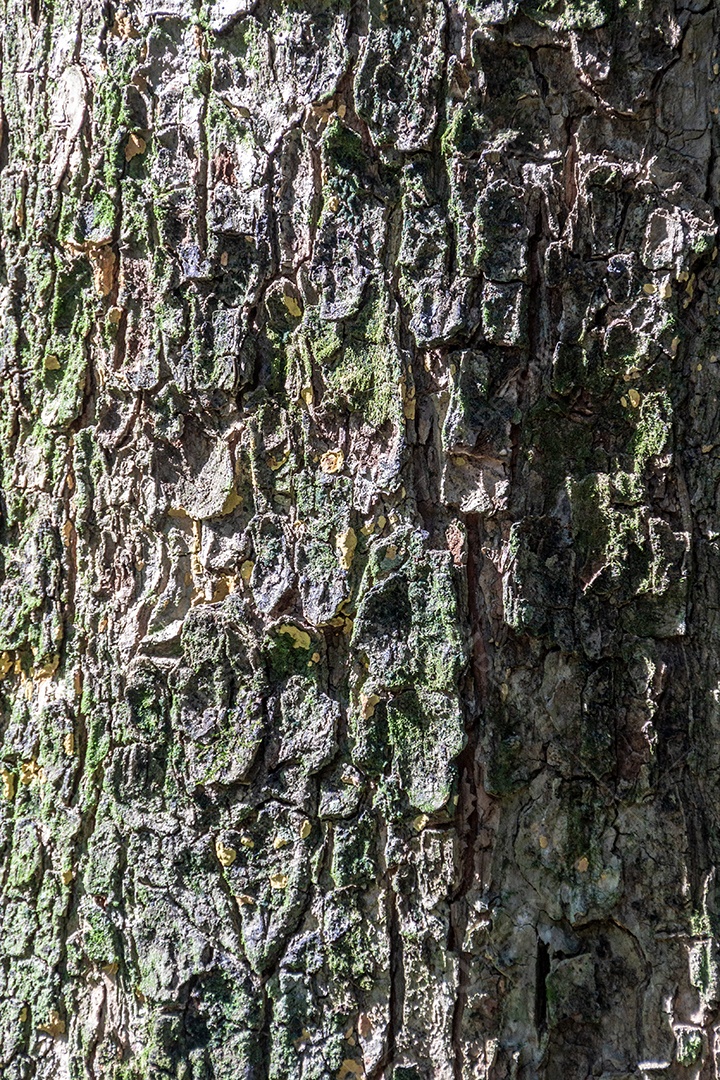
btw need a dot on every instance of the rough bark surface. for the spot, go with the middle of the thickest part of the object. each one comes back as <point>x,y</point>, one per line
<point>359,638</point>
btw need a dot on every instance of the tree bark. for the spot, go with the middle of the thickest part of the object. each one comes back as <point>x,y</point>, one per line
<point>359,637</point>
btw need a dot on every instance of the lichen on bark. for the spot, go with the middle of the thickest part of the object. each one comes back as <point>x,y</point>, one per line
<point>358,638</point>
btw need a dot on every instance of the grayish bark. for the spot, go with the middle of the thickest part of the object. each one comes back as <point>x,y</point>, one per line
<point>360,699</point>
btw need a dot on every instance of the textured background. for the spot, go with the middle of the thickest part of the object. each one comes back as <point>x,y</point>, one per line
<point>360,700</point>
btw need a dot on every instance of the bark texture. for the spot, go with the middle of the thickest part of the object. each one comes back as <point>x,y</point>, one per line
<point>359,639</point>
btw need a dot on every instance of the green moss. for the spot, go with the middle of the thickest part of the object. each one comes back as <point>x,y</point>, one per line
<point>574,14</point>
<point>465,132</point>
<point>351,953</point>
<point>426,733</point>
<point>226,126</point>
<point>367,376</point>
<point>700,924</point>
<point>100,939</point>
<point>147,703</point>
<point>199,77</point>
<point>653,428</point>
<point>284,657</point>
<point>98,737</point>
<point>248,44</point>
<point>343,150</point>
<point>704,243</point>
<point>507,769</point>
<point>689,1047</point>
<point>603,533</point>
<point>703,972</point>
<point>354,859</point>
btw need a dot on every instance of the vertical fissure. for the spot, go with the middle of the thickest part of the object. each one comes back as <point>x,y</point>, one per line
<point>542,970</point>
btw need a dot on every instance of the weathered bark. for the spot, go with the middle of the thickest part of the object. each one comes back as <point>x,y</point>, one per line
<point>359,588</point>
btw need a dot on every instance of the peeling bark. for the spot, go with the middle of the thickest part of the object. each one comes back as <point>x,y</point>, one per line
<point>359,675</point>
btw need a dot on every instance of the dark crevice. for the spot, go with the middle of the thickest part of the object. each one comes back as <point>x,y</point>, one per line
<point>471,795</point>
<point>542,970</point>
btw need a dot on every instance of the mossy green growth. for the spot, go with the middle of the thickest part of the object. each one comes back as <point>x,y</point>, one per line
<point>351,953</point>
<point>700,924</point>
<point>100,938</point>
<point>703,971</point>
<point>343,150</point>
<point>367,375</point>
<point>574,14</point>
<point>146,698</point>
<point>354,859</point>
<point>88,468</point>
<point>248,44</point>
<point>653,428</point>
<point>603,531</point>
<point>426,732</point>
<point>689,1047</point>
<point>507,761</point>
<point>111,118</point>
<point>408,596</point>
<point>98,736</point>
<point>284,658</point>
<point>465,132</point>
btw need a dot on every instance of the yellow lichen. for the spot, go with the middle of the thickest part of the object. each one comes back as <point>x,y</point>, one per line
<point>345,546</point>
<point>102,260</point>
<point>53,1026</point>
<point>232,501</point>
<point>29,771</point>
<point>300,638</point>
<point>332,461</point>
<point>123,26</point>
<point>305,829</point>
<point>134,146</point>
<point>224,586</point>
<point>275,463</point>
<point>367,705</point>
<point>292,305</point>
<point>48,669</point>
<point>226,855</point>
<point>8,785</point>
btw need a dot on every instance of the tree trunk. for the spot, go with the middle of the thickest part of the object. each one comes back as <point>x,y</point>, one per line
<point>359,636</point>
